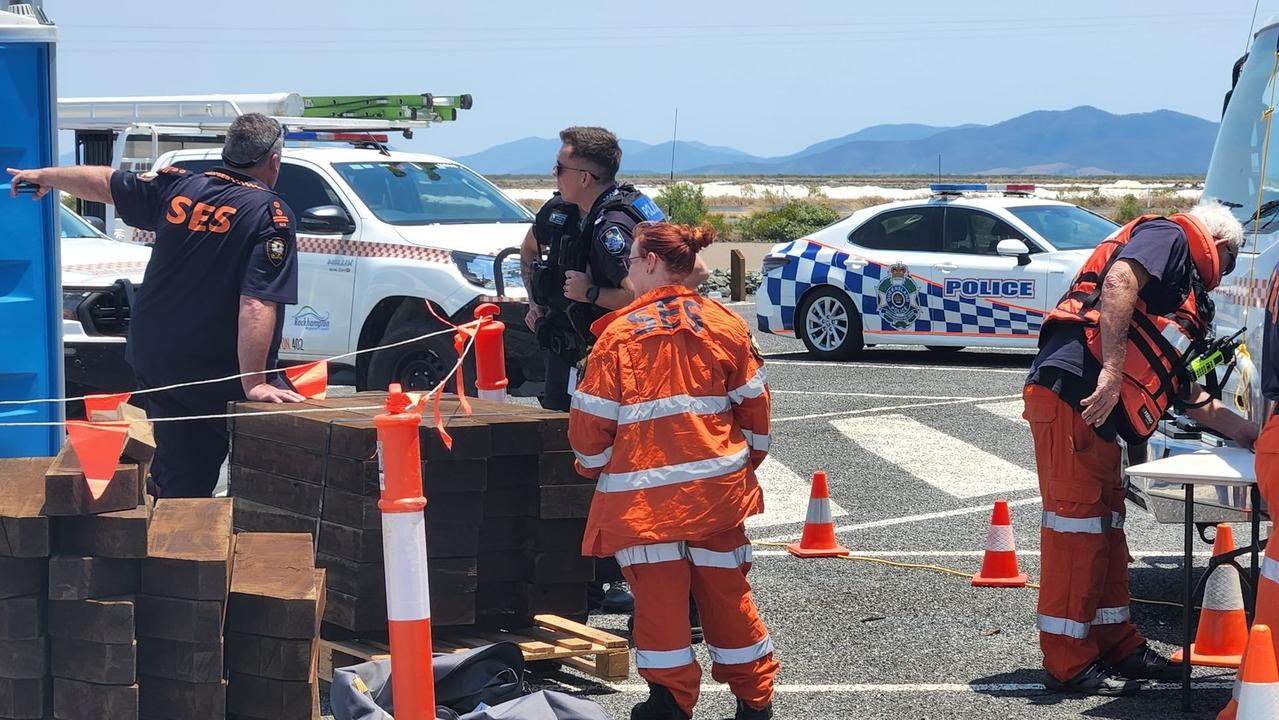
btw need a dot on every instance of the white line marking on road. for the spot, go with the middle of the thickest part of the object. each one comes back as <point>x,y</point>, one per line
<point>863,411</point>
<point>921,687</point>
<point>890,366</point>
<point>1010,410</point>
<point>785,496</point>
<point>941,460</point>
<point>910,519</point>
<point>887,396</point>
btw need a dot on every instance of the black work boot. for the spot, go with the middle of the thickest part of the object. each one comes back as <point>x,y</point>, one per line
<point>1094,680</point>
<point>746,712</point>
<point>618,599</point>
<point>660,705</point>
<point>1146,664</point>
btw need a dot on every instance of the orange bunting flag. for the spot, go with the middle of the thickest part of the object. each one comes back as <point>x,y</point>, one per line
<point>107,405</point>
<point>98,447</point>
<point>439,420</point>
<point>310,380</point>
<point>415,401</point>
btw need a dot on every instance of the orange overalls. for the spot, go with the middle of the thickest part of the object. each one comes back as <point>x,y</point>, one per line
<point>671,419</point>
<point>1267,466</point>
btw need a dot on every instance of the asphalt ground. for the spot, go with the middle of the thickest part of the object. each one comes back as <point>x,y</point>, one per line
<point>866,639</point>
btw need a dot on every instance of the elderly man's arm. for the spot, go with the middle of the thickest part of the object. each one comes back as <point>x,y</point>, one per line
<point>257,329</point>
<point>1118,299</point>
<point>1222,419</point>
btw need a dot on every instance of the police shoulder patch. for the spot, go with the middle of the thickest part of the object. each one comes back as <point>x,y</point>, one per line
<point>558,217</point>
<point>276,251</point>
<point>613,239</point>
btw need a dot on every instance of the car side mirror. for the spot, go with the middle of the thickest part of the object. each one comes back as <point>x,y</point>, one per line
<point>1012,247</point>
<point>327,219</point>
<point>97,223</point>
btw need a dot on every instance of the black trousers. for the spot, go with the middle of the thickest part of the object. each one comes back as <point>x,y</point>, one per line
<point>189,453</point>
<point>555,393</point>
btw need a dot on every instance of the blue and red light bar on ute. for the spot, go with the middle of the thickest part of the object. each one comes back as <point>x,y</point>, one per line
<point>958,188</point>
<point>336,136</point>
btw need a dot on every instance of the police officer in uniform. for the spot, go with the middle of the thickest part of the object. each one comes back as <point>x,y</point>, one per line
<point>211,303</point>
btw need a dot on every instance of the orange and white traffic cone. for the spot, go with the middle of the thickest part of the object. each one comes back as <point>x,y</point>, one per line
<point>999,566</point>
<point>1223,626</point>
<point>818,539</point>
<point>1258,678</point>
<point>408,597</point>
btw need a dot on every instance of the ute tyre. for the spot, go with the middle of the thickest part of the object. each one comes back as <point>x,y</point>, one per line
<point>829,325</point>
<point>420,365</point>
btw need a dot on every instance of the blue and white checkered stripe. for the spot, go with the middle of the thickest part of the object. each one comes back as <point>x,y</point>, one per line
<point>813,264</point>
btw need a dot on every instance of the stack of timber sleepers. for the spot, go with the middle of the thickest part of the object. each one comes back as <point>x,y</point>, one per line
<point>25,685</point>
<point>272,628</point>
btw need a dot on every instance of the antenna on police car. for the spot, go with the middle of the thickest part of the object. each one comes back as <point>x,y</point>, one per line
<point>674,134</point>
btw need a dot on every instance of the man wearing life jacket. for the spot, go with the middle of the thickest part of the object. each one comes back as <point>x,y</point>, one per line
<point>671,420</point>
<point>1111,362</point>
<point>1267,467</point>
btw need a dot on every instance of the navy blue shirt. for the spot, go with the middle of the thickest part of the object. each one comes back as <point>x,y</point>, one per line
<point>610,244</point>
<point>218,235</point>
<point>1064,363</point>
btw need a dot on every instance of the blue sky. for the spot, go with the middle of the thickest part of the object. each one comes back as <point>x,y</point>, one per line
<point>765,77</point>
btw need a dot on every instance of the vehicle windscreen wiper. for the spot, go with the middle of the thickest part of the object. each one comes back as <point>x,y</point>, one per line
<point>1267,208</point>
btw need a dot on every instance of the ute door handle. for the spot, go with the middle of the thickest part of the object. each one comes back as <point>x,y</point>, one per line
<point>854,263</point>
<point>946,267</point>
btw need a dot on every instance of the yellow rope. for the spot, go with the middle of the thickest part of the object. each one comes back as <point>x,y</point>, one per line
<point>952,571</point>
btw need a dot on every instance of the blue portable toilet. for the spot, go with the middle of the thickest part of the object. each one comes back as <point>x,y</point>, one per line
<point>30,275</point>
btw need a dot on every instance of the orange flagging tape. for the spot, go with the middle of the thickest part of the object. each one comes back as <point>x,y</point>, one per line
<point>310,380</point>
<point>98,447</point>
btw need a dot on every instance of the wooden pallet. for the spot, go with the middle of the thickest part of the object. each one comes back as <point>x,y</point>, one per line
<point>590,650</point>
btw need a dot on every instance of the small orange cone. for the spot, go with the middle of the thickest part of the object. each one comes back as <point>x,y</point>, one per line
<point>310,380</point>
<point>1258,678</point>
<point>107,405</point>
<point>1223,627</point>
<point>818,539</point>
<point>999,567</point>
<point>97,446</point>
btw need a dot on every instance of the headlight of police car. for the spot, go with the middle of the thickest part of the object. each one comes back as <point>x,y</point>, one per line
<point>478,269</point>
<point>71,300</point>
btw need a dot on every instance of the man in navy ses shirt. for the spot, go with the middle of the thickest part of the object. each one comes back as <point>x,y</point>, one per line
<point>210,306</point>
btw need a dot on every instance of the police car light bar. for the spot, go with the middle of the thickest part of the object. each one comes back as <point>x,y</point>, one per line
<point>959,188</point>
<point>336,136</point>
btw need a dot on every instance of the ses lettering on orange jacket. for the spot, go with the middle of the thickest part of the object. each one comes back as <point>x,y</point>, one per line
<point>201,217</point>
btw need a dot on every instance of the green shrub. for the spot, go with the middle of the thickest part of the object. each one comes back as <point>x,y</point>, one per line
<point>790,221</point>
<point>1129,208</point>
<point>683,203</point>
<point>725,231</point>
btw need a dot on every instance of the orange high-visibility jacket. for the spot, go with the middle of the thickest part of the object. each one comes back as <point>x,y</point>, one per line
<point>1156,343</point>
<point>671,419</point>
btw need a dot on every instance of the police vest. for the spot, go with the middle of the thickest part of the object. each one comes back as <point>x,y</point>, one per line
<point>1157,344</point>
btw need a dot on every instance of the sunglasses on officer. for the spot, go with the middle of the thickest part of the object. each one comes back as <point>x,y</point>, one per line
<point>560,167</point>
<point>242,164</point>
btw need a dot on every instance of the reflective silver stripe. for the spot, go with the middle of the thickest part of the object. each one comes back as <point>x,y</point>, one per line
<point>741,656</point>
<point>756,441</point>
<point>650,554</point>
<point>731,559</point>
<point>1111,616</point>
<point>1063,626</point>
<point>1116,521</point>
<point>1176,337</point>
<point>668,406</point>
<point>1223,592</point>
<point>1092,525</point>
<point>595,405</point>
<point>999,538</point>
<point>594,461</point>
<point>1234,690</point>
<point>673,474</point>
<point>819,511</point>
<point>663,659</point>
<point>752,389</point>
<point>1270,569</point>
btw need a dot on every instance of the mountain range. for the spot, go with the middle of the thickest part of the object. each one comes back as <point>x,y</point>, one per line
<point>1081,141</point>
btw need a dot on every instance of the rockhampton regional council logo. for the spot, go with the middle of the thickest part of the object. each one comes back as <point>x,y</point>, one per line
<point>897,304</point>
<point>308,318</point>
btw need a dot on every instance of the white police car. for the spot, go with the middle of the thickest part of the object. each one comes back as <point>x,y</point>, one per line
<point>951,271</point>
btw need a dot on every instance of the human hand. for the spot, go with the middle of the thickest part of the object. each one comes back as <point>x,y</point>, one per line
<point>535,312</point>
<point>575,285</point>
<point>1245,435</point>
<point>35,177</point>
<point>266,392</point>
<point>1097,406</point>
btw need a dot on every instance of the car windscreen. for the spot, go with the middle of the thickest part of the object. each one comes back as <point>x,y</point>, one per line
<point>426,193</point>
<point>74,226</point>
<point>1065,226</point>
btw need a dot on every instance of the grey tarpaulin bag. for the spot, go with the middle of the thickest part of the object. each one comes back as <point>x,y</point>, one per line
<point>542,705</point>
<point>491,674</point>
